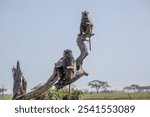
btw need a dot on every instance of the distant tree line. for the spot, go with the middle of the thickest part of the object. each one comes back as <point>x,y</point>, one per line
<point>136,88</point>
<point>103,87</point>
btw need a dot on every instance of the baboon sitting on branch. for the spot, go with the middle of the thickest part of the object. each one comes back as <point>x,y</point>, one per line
<point>66,67</point>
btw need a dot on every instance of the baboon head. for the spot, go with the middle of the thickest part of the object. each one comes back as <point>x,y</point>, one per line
<point>85,14</point>
<point>67,54</point>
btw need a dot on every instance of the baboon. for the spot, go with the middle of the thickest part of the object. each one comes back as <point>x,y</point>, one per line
<point>86,25</point>
<point>66,66</point>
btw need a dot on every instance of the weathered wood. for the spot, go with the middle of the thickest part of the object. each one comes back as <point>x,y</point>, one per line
<point>20,84</point>
<point>77,76</point>
<point>42,89</point>
<point>83,50</point>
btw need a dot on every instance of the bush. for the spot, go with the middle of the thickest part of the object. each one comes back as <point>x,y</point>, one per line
<point>62,94</point>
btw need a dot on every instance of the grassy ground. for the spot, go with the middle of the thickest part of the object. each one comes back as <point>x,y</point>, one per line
<point>108,96</point>
<point>6,97</point>
<point>117,96</point>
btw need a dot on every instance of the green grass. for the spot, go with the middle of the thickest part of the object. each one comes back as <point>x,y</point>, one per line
<point>6,97</point>
<point>108,96</point>
<point>117,96</point>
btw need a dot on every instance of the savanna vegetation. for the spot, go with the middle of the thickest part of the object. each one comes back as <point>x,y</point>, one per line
<point>102,92</point>
<point>117,96</point>
<point>77,94</point>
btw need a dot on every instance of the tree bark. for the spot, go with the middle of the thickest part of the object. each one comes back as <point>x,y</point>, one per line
<point>40,90</point>
<point>83,51</point>
<point>20,84</point>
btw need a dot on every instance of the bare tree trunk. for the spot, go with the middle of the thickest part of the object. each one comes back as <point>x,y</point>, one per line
<point>20,84</point>
<point>97,89</point>
<point>83,50</point>
<point>36,93</point>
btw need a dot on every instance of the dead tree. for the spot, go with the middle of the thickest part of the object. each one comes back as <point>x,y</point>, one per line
<point>66,71</point>
<point>20,84</point>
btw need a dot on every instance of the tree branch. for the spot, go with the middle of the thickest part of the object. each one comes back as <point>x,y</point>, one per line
<point>40,90</point>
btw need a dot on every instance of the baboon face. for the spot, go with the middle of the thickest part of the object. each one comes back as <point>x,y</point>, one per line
<point>67,54</point>
<point>85,14</point>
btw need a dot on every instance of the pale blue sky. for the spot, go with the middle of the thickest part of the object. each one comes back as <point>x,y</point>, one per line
<point>37,31</point>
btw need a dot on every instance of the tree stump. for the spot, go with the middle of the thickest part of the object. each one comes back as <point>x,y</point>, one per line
<point>20,84</point>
